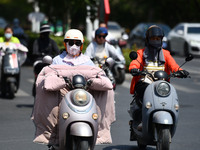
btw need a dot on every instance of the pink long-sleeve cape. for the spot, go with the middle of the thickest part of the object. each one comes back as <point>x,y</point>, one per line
<point>50,90</point>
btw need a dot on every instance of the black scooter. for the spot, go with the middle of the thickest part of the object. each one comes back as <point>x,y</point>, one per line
<point>10,73</point>
<point>37,67</point>
<point>11,60</point>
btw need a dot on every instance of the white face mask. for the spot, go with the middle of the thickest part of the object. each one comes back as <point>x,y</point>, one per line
<point>8,35</point>
<point>73,50</point>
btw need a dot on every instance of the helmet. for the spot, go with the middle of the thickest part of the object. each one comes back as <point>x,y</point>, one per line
<point>74,34</point>
<point>101,30</point>
<point>45,28</point>
<point>78,81</point>
<point>16,22</point>
<point>153,31</point>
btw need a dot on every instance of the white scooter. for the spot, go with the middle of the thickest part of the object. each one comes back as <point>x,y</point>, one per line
<point>106,64</point>
<point>158,113</point>
<point>118,69</point>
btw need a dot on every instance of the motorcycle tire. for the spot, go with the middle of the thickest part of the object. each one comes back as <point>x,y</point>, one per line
<point>141,146</point>
<point>121,78</point>
<point>164,138</point>
<point>11,91</point>
<point>80,143</point>
<point>34,90</point>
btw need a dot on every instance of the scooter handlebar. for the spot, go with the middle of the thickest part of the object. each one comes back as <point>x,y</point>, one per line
<point>137,72</point>
<point>180,74</point>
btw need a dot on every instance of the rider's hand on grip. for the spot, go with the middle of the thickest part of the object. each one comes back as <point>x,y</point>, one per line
<point>66,79</point>
<point>182,74</point>
<point>135,72</point>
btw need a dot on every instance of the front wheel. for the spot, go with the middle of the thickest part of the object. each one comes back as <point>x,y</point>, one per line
<point>80,143</point>
<point>12,89</point>
<point>163,138</point>
<point>141,146</point>
<point>121,78</point>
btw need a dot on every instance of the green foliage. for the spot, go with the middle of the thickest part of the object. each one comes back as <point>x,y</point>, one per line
<point>10,9</point>
<point>169,12</point>
<point>1,32</point>
<point>126,52</point>
<point>59,41</point>
<point>136,11</point>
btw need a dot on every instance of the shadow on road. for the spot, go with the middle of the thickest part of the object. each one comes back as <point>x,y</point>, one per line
<point>125,147</point>
<point>25,105</point>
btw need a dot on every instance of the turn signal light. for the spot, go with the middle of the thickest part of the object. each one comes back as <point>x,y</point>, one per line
<point>95,116</point>
<point>65,116</point>
<point>148,105</point>
<point>176,106</point>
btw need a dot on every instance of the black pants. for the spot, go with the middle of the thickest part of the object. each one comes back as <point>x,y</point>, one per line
<point>140,87</point>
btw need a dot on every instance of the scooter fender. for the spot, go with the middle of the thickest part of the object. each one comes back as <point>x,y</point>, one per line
<point>117,68</point>
<point>75,120</point>
<point>119,65</point>
<point>162,117</point>
<point>81,129</point>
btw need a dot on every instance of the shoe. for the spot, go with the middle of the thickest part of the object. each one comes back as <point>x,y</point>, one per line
<point>139,127</point>
<point>53,147</point>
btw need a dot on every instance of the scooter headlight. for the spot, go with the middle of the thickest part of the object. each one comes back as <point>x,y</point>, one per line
<point>80,98</point>
<point>163,89</point>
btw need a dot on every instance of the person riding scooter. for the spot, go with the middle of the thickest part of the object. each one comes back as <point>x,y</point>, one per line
<point>18,32</point>
<point>70,63</point>
<point>100,47</point>
<point>151,58</point>
<point>8,35</point>
<point>158,110</point>
<point>73,56</point>
<point>44,45</point>
<point>12,55</point>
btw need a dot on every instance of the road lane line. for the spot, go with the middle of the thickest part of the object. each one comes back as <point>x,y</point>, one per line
<point>20,92</point>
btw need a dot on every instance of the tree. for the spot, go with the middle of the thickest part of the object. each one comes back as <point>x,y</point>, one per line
<point>10,9</point>
<point>169,12</point>
<point>72,13</point>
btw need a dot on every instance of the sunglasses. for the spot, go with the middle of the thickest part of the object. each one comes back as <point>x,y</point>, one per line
<point>103,36</point>
<point>72,42</point>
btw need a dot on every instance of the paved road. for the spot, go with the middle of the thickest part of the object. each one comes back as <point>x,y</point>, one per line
<point>17,130</point>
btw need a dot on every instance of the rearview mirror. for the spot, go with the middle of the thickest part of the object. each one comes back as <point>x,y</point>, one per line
<point>189,57</point>
<point>133,55</point>
<point>47,59</point>
<point>110,62</point>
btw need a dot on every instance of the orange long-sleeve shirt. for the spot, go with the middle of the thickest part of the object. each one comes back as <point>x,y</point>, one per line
<point>170,66</point>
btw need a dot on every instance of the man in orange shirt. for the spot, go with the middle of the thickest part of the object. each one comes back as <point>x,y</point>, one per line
<point>152,58</point>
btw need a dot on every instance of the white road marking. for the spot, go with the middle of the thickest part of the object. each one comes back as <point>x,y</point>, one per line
<point>20,92</point>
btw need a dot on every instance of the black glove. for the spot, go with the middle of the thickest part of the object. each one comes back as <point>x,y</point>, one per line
<point>66,79</point>
<point>182,73</point>
<point>135,72</point>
